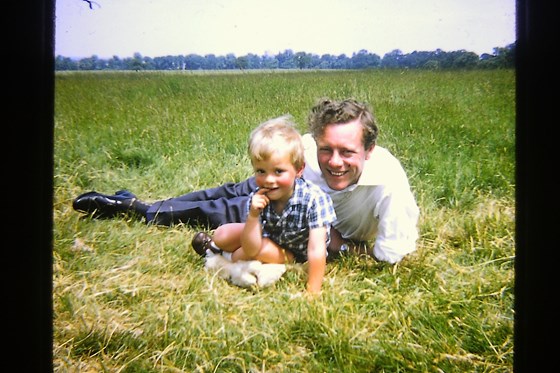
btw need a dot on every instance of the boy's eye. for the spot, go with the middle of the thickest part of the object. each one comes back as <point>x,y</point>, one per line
<point>278,171</point>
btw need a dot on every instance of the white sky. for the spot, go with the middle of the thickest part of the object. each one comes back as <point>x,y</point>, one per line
<point>178,27</point>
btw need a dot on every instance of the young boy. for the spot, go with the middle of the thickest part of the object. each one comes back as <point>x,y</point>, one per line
<point>289,218</point>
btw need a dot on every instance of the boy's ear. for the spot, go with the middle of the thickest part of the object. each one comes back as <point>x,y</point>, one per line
<point>300,172</point>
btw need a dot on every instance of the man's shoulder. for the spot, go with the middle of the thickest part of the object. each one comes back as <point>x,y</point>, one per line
<point>382,168</point>
<point>307,137</point>
<point>382,152</point>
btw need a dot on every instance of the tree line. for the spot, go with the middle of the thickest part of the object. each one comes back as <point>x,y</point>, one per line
<point>501,58</point>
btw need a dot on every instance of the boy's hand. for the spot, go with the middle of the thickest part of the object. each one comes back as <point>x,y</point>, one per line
<point>259,202</point>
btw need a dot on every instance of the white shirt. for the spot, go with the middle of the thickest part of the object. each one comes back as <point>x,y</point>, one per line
<point>379,206</point>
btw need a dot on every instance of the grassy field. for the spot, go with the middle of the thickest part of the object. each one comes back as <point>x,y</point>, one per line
<point>134,298</point>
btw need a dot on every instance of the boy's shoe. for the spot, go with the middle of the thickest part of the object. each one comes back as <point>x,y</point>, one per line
<point>202,242</point>
<point>101,206</point>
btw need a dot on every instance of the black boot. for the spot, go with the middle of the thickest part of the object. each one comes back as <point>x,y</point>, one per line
<point>101,206</point>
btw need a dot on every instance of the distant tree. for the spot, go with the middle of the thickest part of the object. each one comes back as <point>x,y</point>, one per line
<point>364,60</point>
<point>418,59</point>
<point>65,63</point>
<point>194,62</point>
<point>341,62</point>
<point>270,62</point>
<point>230,61</point>
<point>506,56</point>
<point>431,65</point>
<point>148,63</point>
<point>136,63</point>
<point>242,62</point>
<point>326,61</point>
<point>212,62</point>
<point>286,59</point>
<point>302,60</point>
<point>253,61</point>
<point>502,58</point>
<point>465,60</point>
<point>115,63</point>
<point>91,63</point>
<point>165,63</point>
<point>392,59</point>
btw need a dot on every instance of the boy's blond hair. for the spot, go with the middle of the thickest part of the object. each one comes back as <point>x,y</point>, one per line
<point>277,136</point>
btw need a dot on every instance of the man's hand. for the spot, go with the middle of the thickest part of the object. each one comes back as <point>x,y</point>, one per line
<point>339,246</point>
<point>359,248</point>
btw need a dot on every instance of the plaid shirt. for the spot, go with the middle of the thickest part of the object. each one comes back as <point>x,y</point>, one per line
<point>308,208</point>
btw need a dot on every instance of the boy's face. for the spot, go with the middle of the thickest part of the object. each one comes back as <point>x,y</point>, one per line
<point>277,174</point>
<point>341,154</point>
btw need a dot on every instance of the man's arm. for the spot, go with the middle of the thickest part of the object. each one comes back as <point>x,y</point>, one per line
<point>339,245</point>
<point>397,229</point>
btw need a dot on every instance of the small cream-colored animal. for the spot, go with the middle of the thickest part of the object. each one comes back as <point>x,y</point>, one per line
<point>244,273</point>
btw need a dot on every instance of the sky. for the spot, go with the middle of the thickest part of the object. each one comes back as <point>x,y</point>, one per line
<point>157,28</point>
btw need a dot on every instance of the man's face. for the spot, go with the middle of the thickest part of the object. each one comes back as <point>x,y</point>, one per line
<point>341,154</point>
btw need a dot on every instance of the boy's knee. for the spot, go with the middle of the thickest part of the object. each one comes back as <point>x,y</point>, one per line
<point>218,236</point>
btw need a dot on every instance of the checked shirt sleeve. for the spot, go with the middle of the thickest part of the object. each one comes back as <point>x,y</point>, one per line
<point>322,214</point>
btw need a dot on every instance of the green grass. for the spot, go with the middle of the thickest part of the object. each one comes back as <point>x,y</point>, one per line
<point>134,298</point>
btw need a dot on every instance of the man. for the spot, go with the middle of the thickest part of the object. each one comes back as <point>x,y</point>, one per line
<point>368,186</point>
